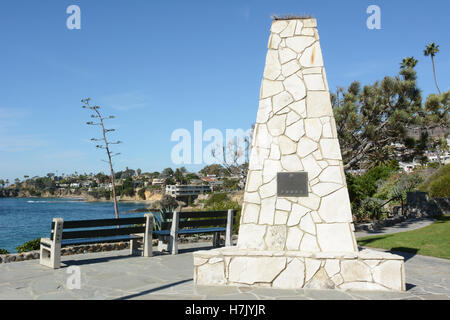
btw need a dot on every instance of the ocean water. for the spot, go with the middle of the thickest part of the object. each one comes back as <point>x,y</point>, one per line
<point>24,219</point>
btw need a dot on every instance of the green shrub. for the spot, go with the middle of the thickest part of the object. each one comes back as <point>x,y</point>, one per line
<point>100,193</point>
<point>367,185</point>
<point>434,165</point>
<point>230,184</point>
<point>216,198</point>
<point>225,205</point>
<point>398,184</point>
<point>387,189</point>
<point>127,188</point>
<point>354,189</point>
<point>141,193</point>
<point>441,172</point>
<point>35,193</point>
<point>440,187</point>
<point>369,182</point>
<point>168,202</point>
<point>127,192</point>
<point>369,209</point>
<point>3,251</point>
<point>29,245</point>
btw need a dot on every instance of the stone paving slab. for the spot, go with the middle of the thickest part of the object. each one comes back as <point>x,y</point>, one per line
<point>116,275</point>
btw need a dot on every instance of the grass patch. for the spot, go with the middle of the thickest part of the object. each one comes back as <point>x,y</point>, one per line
<point>433,240</point>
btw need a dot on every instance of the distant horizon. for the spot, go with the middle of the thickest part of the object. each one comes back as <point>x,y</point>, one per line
<point>165,73</point>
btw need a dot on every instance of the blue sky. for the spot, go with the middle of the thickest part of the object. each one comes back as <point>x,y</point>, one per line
<point>161,65</point>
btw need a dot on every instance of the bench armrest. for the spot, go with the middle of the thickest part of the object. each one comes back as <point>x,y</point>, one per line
<point>46,241</point>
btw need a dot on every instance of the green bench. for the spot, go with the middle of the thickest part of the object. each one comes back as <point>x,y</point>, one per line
<point>82,232</point>
<point>177,223</point>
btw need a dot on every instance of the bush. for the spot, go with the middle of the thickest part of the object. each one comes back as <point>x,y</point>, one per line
<point>369,209</point>
<point>100,193</point>
<point>221,202</point>
<point>369,182</point>
<point>141,193</point>
<point>440,187</point>
<point>29,246</point>
<point>168,201</point>
<point>434,165</point>
<point>398,184</point>
<point>354,189</point>
<point>3,251</point>
<point>216,198</point>
<point>443,171</point>
<point>127,188</point>
<point>35,193</point>
<point>230,184</point>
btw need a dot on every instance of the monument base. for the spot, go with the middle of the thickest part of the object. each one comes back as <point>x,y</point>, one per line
<point>363,270</point>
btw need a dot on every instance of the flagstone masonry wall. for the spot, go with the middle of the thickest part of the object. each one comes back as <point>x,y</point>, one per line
<point>295,131</point>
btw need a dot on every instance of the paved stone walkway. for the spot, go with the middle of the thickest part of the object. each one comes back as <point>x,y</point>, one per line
<point>116,275</point>
<point>404,226</point>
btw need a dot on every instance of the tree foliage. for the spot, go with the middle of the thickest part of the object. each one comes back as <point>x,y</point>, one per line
<point>213,169</point>
<point>373,122</point>
<point>167,172</point>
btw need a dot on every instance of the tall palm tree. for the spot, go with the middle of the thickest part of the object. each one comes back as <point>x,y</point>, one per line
<point>409,62</point>
<point>431,50</point>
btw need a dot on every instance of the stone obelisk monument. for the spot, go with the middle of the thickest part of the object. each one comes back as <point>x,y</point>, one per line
<point>296,227</point>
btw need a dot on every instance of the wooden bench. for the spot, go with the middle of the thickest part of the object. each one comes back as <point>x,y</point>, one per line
<point>94,231</point>
<point>198,222</point>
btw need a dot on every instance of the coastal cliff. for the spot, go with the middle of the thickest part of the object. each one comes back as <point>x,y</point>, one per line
<point>76,194</point>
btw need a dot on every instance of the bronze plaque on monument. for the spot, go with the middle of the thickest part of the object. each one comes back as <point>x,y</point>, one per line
<point>292,184</point>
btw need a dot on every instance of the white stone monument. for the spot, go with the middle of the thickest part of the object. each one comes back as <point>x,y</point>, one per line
<point>296,228</point>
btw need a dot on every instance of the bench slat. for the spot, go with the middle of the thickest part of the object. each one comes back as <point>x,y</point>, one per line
<point>203,230</point>
<point>189,231</point>
<point>166,225</point>
<point>162,232</point>
<point>195,223</point>
<point>203,214</point>
<point>101,233</point>
<point>202,223</point>
<point>100,222</point>
<point>87,241</point>
<point>196,214</point>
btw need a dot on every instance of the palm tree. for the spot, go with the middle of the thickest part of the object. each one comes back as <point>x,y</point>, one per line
<point>431,50</point>
<point>409,62</point>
